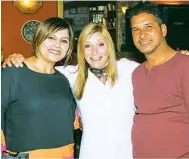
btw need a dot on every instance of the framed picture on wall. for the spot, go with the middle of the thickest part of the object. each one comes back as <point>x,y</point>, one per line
<point>28,30</point>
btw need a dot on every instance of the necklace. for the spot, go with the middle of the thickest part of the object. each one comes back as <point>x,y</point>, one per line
<point>100,73</point>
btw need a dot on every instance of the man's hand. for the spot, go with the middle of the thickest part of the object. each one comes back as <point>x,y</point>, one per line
<point>185,52</point>
<point>14,59</point>
<point>80,124</point>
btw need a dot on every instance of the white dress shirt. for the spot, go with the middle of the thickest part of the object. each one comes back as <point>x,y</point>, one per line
<point>106,113</point>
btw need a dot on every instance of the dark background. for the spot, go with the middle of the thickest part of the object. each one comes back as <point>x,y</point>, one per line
<point>176,17</point>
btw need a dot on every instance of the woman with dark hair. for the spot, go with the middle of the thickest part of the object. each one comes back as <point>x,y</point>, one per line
<point>37,104</point>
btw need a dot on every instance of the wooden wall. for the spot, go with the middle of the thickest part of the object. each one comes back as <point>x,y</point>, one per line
<point>12,21</point>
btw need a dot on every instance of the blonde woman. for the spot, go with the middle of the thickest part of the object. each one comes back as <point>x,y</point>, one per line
<point>103,91</point>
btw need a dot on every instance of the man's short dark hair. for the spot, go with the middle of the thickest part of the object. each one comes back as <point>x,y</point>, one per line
<point>146,7</point>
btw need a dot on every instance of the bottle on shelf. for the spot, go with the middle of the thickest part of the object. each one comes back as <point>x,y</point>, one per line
<point>104,14</point>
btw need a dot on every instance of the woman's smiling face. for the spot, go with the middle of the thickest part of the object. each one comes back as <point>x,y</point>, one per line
<point>95,51</point>
<point>55,47</point>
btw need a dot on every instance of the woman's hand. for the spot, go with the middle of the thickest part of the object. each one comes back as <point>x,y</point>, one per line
<point>14,59</point>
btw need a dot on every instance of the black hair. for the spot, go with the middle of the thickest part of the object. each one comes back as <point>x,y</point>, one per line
<point>146,7</point>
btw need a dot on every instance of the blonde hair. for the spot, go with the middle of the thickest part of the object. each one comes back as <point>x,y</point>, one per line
<point>82,76</point>
<point>47,28</point>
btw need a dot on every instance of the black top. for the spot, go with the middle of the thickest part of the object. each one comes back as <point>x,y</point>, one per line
<point>37,110</point>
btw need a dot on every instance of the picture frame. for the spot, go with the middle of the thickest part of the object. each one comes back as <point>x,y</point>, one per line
<point>28,30</point>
